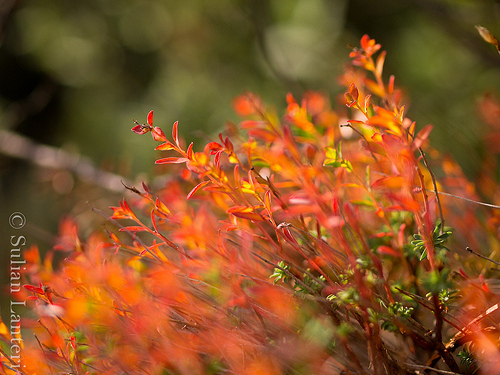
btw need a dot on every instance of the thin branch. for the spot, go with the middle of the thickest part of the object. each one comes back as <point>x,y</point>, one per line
<point>434,184</point>
<point>468,200</point>
<point>17,371</point>
<point>21,147</point>
<point>481,256</point>
<point>490,205</point>
<point>437,371</point>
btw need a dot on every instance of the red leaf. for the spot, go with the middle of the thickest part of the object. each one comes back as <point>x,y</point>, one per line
<point>139,129</point>
<point>196,188</point>
<point>190,151</point>
<point>158,134</point>
<point>382,234</point>
<point>133,228</point>
<point>175,133</point>
<point>237,175</point>
<point>483,284</point>
<point>171,160</point>
<point>289,236</point>
<point>422,136</point>
<point>153,220</point>
<point>228,144</point>
<point>33,289</point>
<point>146,188</point>
<point>353,90</point>
<point>214,147</point>
<point>290,99</point>
<point>217,159</point>
<point>150,118</point>
<point>386,250</point>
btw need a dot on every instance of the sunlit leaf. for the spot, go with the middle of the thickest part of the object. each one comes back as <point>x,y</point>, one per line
<point>139,129</point>
<point>133,228</point>
<point>247,213</point>
<point>175,133</point>
<point>165,146</point>
<point>196,188</point>
<point>171,160</point>
<point>150,118</point>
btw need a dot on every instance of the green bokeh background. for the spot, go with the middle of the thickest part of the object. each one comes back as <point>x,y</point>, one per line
<point>89,67</point>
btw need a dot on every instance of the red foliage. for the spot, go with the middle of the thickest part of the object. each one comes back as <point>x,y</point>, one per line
<point>292,250</point>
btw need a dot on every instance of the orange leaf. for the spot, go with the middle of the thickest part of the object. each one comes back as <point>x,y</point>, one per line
<point>171,160</point>
<point>196,188</point>
<point>267,200</point>
<point>379,65</point>
<point>391,182</point>
<point>165,146</point>
<point>133,228</point>
<point>247,104</point>
<point>488,36</point>
<point>161,207</point>
<point>244,212</point>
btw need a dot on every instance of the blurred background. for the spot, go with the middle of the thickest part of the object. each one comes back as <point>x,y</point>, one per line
<point>73,75</point>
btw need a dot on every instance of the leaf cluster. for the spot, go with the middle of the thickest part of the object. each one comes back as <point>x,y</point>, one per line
<point>286,246</point>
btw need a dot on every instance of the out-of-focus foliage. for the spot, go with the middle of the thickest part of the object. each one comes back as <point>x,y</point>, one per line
<point>305,241</point>
<point>73,74</point>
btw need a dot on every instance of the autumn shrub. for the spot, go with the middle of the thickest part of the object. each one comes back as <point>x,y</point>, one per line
<point>317,241</point>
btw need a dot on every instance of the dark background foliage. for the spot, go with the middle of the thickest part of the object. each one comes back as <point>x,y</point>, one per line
<point>74,73</point>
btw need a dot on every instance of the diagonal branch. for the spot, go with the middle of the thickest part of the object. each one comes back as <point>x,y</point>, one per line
<point>21,147</point>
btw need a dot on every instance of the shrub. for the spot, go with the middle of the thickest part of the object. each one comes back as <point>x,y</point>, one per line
<point>316,242</point>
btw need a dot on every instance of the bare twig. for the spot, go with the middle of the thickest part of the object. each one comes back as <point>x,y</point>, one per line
<point>490,205</point>
<point>467,199</point>
<point>481,256</point>
<point>421,367</point>
<point>434,184</point>
<point>18,146</point>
